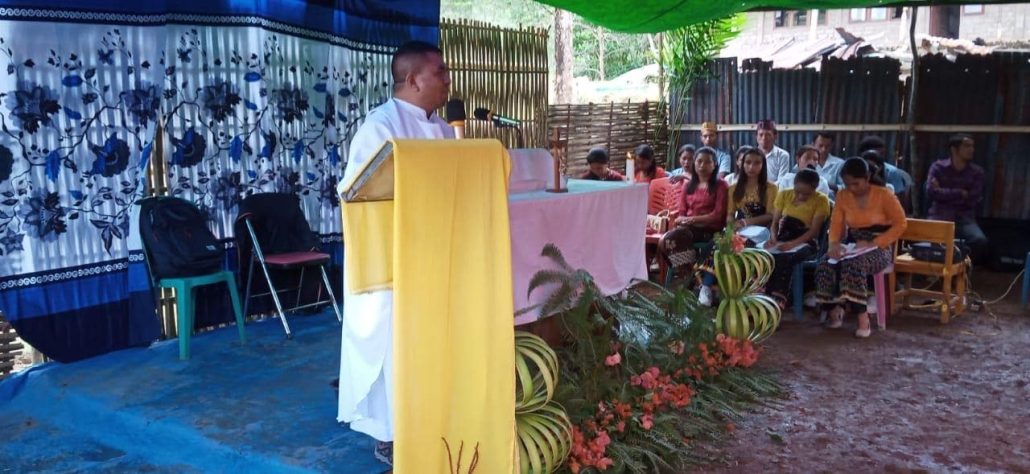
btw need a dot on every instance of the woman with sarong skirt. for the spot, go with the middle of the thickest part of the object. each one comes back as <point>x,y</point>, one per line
<point>870,217</point>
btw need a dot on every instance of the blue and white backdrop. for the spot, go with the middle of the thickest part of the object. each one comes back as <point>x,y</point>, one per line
<point>255,97</point>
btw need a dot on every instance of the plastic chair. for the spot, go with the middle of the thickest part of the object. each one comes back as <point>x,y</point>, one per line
<point>186,304</point>
<point>185,285</point>
<point>280,239</point>
<point>882,295</point>
<point>1026,282</point>
<point>797,276</point>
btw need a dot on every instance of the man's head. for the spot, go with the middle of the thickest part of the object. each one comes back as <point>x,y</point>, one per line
<point>874,143</point>
<point>824,143</point>
<point>961,147</point>
<point>766,134</point>
<point>708,134</point>
<point>807,157</point>
<point>420,76</point>
<point>597,160</point>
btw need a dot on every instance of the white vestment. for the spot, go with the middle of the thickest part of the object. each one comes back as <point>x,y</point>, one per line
<point>366,349</point>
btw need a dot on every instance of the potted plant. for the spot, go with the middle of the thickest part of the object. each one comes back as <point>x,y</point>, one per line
<point>743,313</point>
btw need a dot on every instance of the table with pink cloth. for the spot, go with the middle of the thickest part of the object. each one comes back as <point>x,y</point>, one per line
<point>598,226</point>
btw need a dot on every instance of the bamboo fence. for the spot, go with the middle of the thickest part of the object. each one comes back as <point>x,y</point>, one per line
<point>10,348</point>
<point>616,127</point>
<point>503,70</point>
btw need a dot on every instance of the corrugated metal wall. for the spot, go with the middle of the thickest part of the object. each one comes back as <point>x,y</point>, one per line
<point>980,90</point>
<point>974,90</point>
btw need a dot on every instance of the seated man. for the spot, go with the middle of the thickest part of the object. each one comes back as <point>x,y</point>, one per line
<point>709,138</point>
<point>829,165</point>
<point>807,157</point>
<point>597,159</point>
<point>955,187</point>
<point>898,178</point>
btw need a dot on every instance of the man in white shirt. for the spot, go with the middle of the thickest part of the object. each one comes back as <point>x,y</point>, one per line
<point>421,83</point>
<point>709,138</point>
<point>829,165</point>
<point>807,158</point>
<point>777,159</point>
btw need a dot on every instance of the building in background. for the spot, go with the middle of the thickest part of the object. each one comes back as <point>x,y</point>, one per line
<point>884,28</point>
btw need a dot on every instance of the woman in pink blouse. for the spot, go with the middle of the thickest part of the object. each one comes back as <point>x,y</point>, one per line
<point>703,201</point>
<point>702,210</point>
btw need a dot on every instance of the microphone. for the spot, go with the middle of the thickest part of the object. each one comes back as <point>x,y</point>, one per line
<point>499,121</point>
<point>455,112</point>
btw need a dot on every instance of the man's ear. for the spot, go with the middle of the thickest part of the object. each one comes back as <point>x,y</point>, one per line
<point>411,82</point>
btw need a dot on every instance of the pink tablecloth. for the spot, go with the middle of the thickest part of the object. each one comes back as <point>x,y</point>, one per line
<point>598,226</point>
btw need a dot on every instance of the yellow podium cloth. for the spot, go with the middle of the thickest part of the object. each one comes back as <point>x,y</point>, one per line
<point>453,335</point>
<point>368,248</point>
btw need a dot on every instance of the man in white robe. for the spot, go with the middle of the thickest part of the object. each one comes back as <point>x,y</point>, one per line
<point>421,85</point>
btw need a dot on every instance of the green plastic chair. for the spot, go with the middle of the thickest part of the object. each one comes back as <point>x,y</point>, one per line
<point>186,304</point>
<point>185,286</point>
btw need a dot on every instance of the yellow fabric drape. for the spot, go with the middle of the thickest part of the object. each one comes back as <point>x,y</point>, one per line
<point>453,333</point>
<point>368,245</point>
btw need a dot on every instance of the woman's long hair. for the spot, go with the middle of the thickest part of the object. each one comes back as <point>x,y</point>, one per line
<point>742,177</point>
<point>645,151</point>
<point>695,180</point>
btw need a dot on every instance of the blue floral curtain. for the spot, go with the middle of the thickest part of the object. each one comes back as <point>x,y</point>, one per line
<point>254,98</point>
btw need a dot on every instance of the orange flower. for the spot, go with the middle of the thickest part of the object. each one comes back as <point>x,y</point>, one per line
<point>730,427</point>
<point>738,243</point>
<point>613,360</point>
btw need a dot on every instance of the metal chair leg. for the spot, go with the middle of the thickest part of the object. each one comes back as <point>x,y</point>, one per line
<point>246,297</point>
<point>278,305</point>
<point>300,287</point>
<point>332,297</point>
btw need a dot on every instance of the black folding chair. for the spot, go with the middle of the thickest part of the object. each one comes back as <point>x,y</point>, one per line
<point>278,237</point>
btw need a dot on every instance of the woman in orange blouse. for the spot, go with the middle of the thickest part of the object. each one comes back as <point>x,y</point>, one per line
<point>645,165</point>
<point>870,219</point>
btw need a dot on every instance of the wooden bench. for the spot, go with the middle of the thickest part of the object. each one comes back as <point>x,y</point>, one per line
<point>952,295</point>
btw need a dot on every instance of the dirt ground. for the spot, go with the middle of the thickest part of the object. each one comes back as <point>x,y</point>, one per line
<point>918,397</point>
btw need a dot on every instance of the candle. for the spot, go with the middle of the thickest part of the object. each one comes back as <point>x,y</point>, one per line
<point>630,164</point>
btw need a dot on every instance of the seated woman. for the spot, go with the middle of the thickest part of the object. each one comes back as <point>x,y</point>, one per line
<point>751,197</point>
<point>807,156</point>
<point>686,160</point>
<point>798,217</point>
<point>597,160</point>
<point>645,165</point>
<point>702,207</point>
<point>871,218</point>
<point>738,163</point>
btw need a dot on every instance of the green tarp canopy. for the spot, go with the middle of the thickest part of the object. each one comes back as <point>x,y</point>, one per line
<point>653,16</point>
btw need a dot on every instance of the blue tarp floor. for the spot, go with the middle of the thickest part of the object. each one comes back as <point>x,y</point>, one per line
<point>266,406</point>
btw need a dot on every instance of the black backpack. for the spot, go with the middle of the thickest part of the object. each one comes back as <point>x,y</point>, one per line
<point>177,239</point>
